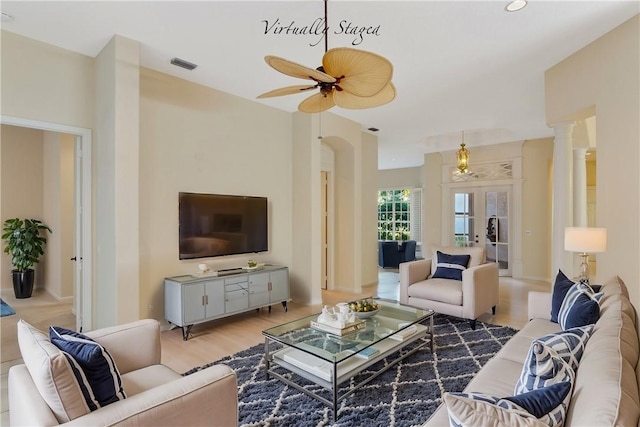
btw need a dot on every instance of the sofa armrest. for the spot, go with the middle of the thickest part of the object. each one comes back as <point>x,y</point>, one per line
<point>410,273</point>
<point>539,305</point>
<point>26,406</point>
<point>133,346</point>
<point>208,397</point>
<point>480,289</point>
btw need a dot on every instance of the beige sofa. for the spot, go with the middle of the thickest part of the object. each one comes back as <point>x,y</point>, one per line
<point>156,395</point>
<point>605,392</point>
<point>476,294</point>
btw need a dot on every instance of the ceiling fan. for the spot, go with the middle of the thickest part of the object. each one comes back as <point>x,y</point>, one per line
<point>349,78</point>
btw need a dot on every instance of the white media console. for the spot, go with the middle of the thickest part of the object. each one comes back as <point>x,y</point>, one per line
<point>192,299</point>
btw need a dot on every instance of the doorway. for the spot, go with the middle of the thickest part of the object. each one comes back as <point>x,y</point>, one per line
<point>82,289</point>
<point>482,217</point>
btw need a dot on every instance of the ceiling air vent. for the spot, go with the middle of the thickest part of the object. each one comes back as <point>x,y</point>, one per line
<point>184,64</point>
<point>372,129</point>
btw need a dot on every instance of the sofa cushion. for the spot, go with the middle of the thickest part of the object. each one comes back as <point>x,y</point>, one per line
<point>579,307</point>
<point>442,290</point>
<point>560,289</point>
<point>548,405</point>
<point>140,380</point>
<point>99,371</point>
<point>450,266</point>
<point>606,387</point>
<point>52,373</point>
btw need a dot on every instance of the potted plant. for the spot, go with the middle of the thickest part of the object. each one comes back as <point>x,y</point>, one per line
<point>25,243</point>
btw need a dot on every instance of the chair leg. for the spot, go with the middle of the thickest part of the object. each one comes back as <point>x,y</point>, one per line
<point>493,309</point>
<point>472,323</point>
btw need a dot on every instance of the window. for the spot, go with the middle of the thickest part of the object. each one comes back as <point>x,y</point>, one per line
<point>394,214</point>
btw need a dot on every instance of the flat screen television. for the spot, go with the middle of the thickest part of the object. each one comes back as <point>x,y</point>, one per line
<point>214,225</point>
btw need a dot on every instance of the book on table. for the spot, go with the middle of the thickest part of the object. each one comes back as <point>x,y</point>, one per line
<point>352,327</point>
<point>405,333</point>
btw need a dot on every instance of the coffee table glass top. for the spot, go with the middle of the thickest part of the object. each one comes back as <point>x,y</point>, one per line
<point>391,318</point>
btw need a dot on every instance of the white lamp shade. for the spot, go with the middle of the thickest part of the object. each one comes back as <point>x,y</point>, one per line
<point>585,239</point>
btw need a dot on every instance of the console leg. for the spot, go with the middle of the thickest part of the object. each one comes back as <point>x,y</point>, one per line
<point>472,323</point>
<point>269,309</point>
<point>284,304</point>
<point>493,309</point>
<point>186,332</point>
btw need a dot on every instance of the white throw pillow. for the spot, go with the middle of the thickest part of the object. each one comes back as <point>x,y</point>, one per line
<point>51,371</point>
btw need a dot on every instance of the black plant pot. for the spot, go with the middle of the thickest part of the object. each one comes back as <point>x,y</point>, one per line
<point>23,283</point>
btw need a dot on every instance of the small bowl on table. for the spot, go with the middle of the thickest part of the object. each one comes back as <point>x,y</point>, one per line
<point>364,309</point>
<point>365,314</point>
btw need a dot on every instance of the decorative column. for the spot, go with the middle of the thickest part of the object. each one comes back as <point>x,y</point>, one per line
<point>579,187</point>
<point>562,211</point>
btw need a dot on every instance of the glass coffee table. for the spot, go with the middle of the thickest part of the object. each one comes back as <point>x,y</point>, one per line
<point>329,360</point>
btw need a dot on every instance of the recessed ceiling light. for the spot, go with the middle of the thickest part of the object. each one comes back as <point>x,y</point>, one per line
<point>515,5</point>
<point>6,17</point>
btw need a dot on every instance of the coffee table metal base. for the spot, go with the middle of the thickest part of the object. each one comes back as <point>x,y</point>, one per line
<point>339,374</point>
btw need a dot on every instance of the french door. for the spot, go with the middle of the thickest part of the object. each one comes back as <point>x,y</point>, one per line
<point>481,217</point>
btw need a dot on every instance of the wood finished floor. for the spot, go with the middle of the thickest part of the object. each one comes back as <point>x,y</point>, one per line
<point>213,340</point>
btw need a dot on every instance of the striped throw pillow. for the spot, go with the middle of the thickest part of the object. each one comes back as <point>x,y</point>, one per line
<point>95,369</point>
<point>569,345</point>
<point>580,307</point>
<point>542,367</point>
<point>450,266</point>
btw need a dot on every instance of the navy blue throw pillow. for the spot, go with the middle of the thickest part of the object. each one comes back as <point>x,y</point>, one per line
<point>450,266</point>
<point>99,371</point>
<point>560,289</point>
<point>543,400</point>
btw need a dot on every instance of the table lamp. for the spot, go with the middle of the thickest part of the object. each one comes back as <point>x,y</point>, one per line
<point>585,240</point>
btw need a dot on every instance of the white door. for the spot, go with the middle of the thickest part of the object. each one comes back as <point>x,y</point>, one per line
<point>482,218</point>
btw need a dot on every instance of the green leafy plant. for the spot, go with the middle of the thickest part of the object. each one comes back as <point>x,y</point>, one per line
<point>24,241</point>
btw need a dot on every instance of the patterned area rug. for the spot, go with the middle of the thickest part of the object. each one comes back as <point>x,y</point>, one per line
<point>405,395</point>
<point>5,309</point>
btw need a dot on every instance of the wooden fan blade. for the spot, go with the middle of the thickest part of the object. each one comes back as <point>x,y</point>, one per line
<point>289,90</point>
<point>348,100</point>
<point>296,70</point>
<point>317,103</point>
<point>365,73</point>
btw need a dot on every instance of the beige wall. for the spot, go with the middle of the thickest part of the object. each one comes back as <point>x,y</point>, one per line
<point>603,78</point>
<point>116,178</point>
<point>400,178</point>
<point>432,202</point>
<point>197,139</point>
<point>21,192</point>
<point>369,210</point>
<point>59,213</point>
<point>537,156</point>
<point>44,82</point>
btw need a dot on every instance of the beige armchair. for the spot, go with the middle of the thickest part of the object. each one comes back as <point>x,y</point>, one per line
<point>476,294</point>
<point>156,395</point>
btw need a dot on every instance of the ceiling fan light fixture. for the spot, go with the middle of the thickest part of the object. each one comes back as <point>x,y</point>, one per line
<point>515,5</point>
<point>349,78</point>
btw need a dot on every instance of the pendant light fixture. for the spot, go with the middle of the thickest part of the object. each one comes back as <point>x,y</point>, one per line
<point>463,157</point>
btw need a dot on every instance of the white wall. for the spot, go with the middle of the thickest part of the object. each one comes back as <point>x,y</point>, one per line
<point>603,78</point>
